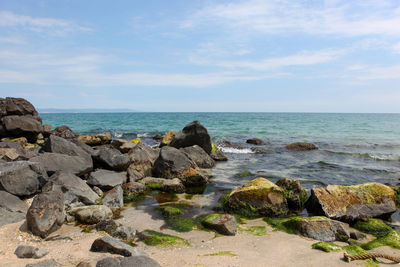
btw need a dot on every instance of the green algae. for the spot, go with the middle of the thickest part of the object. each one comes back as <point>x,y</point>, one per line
<point>221,253</point>
<point>169,211</point>
<point>354,250</point>
<point>254,230</point>
<point>289,225</point>
<point>195,190</point>
<point>391,239</point>
<point>154,186</point>
<point>181,224</point>
<point>154,238</point>
<point>371,263</point>
<point>327,246</point>
<point>176,218</point>
<point>375,227</point>
<point>244,174</point>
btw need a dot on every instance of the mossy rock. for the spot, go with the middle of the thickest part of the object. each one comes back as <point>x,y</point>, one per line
<point>290,225</point>
<point>135,141</point>
<point>176,219</point>
<point>169,211</point>
<point>327,246</point>
<point>295,194</point>
<point>132,197</point>
<point>354,250</point>
<point>257,198</point>
<point>301,146</point>
<point>254,230</point>
<point>391,239</point>
<point>216,153</point>
<point>374,227</point>
<point>154,238</point>
<point>167,139</point>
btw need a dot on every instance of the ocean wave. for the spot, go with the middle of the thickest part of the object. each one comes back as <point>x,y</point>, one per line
<point>377,157</point>
<point>234,150</point>
<point>143,135</point>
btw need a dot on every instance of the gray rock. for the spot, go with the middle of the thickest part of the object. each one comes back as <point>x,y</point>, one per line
<point>17,106</point>
<point>193,134</point>
<point>106,180</point>
<point>199,156</point>
<point>12,203</point>
<point>133,187</point>
<point>114,198</point>
<point>23,251</point>
<point>125,233</point>
<point>75,190</point>
<point>22,178</point>
<point>114,246</point>
<point>59,237</point>
<point>46,214</point>
<point>112,159</point>
<point>91,214</point>
<point>44,263</point>
<point>167,185</point>
<point>98,191</point>
<point>173,163</point>
<point>142,158</point>
<point>60,145</point>
<point>53,162</point>
<point>324,229</point>
<point>142,261</point>
<point>107,226</point>
<point>88,149</point>
<point>64,132</point>
<point>224,224</point>
<point>7,217</point>
<point>26,126</point>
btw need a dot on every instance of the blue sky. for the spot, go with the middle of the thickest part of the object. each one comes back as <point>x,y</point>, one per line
<point>277,55</point>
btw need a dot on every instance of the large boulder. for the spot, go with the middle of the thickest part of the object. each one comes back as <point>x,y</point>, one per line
<point>53,162</point>
<point>259,197</point>
<point>16,106</point>
<point>199,156</point>
<point>64,132</point>
<point>295,194</point>
<point>349,203</point>
<point>142,158</point>
<point>12,209</point>
<point>114,198</point>
<point>22,178</point>
<point>27,126</point>
<point>324,229</point>
<point>96,140</point>
<point>173,163</point>
<point>142,261</point>
<point>46,214</point>
<point>106,180</point>
<point>91,214</point>
<point>55,144</point>
<point>76,191</point>
<point>193,134</point>
<point>111,158</point>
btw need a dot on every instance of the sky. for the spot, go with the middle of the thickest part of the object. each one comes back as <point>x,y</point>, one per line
<point>179,55</point>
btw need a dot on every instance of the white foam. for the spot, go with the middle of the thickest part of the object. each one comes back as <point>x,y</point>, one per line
<point>118,135</point>
<point>144,135</point>
<point>236,150</point>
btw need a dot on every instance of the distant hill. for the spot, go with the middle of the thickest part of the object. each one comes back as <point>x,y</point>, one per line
<point>84,110</point>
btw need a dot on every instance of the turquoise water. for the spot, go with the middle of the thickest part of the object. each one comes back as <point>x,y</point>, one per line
<point>354,148</point>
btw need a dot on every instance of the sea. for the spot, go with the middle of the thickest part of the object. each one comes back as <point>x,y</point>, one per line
<point>353,148</point>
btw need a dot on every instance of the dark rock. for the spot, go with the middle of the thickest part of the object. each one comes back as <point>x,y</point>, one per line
<point>301,146</point>
<point>26,126</point>
<point>255,141</point>
<point>113,246</point>
<point>58,237</point>
<point>295,194</point>
<point>199,156</point>
<point>75,190</point>
<point>142,261</point>
<point>60,145</point>
<point>224,224</point>
<point>134,187</point>
<point>84,264</point>
<point>142,159</point>
<point>324,230</point>
<point>173,163</point>
<point>112,159</point>
<point>167,139</point>
<point>46,214</point>
<point>349,203</point>
<point>30,252</point>
<point>64,132</point>
<point>259,197</point>
<point>12,209</point>
<point>125,233</point>
<point>96,140</point>
<point>22,178</point>
<point>88,149</point>
<point>193,134</point>
<point>158,137</point>
<point>167,185</point>
<point>91,214</point>
<point>107,226</point>
<point>44,263</point>
<point>18,106</point>
<point>114,198</point>
<point>53,162</point>
<point>106,180</point>
<point>216,154</point>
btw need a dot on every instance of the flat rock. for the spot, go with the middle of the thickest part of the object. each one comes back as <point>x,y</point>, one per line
<point>324,229</point>
<point>134,187</point>
<point>44,263</point>
<point>224,224</point>
<point>23,251</point>
<point>113,246</point>
<point>27,126</point>
<point>166,185</point>
<point>111,158</point>
<point>106,180</point>
<point>114,198</point>
<point>142,261</point>
<point>91,214</point>
<point>56,144</point>
<point>199,156</point>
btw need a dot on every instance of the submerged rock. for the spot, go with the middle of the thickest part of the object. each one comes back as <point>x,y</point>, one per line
<point>301,146</point>
<point>216,154</point>
<point>259,197</point>
<point>295,194</point>
<point>349,203</point>
<point>192,134</point>
<point>167,185</point>
<point>199,156</point>
<point>255,141</point>
<point>173,163</point>
<point>223,224</point>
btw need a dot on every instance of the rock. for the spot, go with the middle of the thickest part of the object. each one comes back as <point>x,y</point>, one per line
<point>17,106</point>
<point>53,162</point>
<point>199,156</point>
<point>255,141</point>
<point>47,130</point>
<point>91,214</point>
<point>142,261</point>
<point>296,195</point>
<point>26,126</point>
<point>88,149</point>
<point>98,191</point>
<point>324,229</point>
<point>60,145</point>
<point>142,158</point>
<point>158,137</point>
<point>44,263</point>
<point>223,224</point>
<point>112,159</point>
<point>114,198</point>
<point>259,197</point>
<point>106,180</point>
<point>167,185</point>
<point>64,132</point>
<point>134,187</point>
<point>76,191</point>
<point>193,134</point>
<point>117,143</point>
<point>12,209</point>
<point>22,178</point>
<point>113,246</point>
<point>84,264</point>
<point>96,140</point>
<point>125,148</point>
<point>9,154</point>
<point>46,214</point>
<point>173,163</point>
<point>167,139</point>
<point>301,146</point>
<point>58,238</point>
<point>349,203</point>
<point>125,233</point>
<point>216,153</point>
<point>107,226</point>
<point>30,252</point>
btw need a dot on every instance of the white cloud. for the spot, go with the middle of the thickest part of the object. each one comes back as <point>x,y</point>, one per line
<point>11,40</point>
<point>396,48</point>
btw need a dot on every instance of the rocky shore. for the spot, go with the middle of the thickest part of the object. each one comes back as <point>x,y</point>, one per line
<point>74,200</point>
